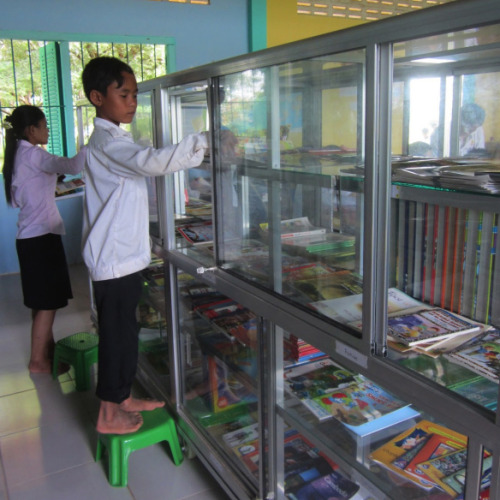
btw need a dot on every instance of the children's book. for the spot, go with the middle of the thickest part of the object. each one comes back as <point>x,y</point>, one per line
<point>319,378</point>
<point>439,467</point>
<point>391,454</point>
<point>226,390</point>
<point>480,390</point>
<point>359,402</point>
<point>482,355</point>
<point>426,325</point>
<point>436,446</point>
<point>241,436</point>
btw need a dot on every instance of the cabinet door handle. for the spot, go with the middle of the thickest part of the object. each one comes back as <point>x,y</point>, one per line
<point>203,270</point>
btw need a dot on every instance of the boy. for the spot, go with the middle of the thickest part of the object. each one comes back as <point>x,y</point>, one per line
<point>115,232</point>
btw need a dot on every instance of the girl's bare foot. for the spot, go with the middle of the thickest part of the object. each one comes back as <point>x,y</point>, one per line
<point>113,420</point>
<point>133,405</point>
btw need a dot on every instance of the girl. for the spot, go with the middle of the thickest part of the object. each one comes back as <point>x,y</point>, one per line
<point>30,176</point>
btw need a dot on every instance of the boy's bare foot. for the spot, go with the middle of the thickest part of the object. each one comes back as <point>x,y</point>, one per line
<point>133,404</point>
<point>113,420</point>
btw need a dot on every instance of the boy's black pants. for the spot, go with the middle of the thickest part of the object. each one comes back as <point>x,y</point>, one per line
<point>116,302</point>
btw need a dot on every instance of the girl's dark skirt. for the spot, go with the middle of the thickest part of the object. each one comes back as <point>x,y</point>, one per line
<point>44,272</point>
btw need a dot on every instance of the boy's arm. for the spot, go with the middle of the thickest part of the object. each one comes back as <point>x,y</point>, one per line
<point>130,159</point>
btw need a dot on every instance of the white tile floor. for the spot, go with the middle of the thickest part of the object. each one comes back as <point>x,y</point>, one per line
<point>47,435</point>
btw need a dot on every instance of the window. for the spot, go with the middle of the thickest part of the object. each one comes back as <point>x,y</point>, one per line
<point>48,74</point>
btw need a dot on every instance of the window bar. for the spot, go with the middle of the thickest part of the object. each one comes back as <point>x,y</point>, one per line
<point>31,73</point>
<point>14,69</point>
<point>142,63</point>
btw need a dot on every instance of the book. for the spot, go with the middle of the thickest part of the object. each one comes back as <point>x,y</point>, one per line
<point>307,382</point>
<point>389,454</point>
<point>201,232</point>
<point>226,391</point>
<point>426,325</point>
<point>291,228</point>
<point>479,390</point>
<point>435,446</point>
<point>333,486</point>
<point>69,186</point>
<point>438,467</point>
<point>359,403</point>
<point>481,355</point>
<point>348,310</point>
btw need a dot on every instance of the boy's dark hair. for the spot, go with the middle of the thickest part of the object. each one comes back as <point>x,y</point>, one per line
<point>15,127</point>
<point>101,72</point>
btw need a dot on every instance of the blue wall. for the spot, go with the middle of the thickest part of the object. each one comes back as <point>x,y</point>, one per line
<point>202,34</point>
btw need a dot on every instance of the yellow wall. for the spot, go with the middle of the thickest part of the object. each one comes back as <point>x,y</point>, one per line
<point>285,25</point>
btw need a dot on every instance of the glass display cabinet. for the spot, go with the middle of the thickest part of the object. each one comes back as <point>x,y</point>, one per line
<point>325,284</point>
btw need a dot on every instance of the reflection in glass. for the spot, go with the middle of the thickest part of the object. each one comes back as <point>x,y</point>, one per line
<point>220,372</point>
<point>143,132</point>
<point>445,143</point>
<point>289,221</point>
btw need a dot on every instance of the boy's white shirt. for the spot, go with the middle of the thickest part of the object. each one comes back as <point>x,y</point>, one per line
<point>115,236</point>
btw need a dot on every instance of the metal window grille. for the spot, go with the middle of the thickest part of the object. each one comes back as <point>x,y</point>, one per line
<point>31,73</point>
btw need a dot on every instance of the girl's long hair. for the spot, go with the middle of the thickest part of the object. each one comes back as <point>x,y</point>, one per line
<point>15,127</point>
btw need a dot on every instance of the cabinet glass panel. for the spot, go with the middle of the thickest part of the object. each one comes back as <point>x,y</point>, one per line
<point>445,280</point>
<point>342,431</point>
<point>188,106</point>
<point>143,132</point>
<point>291,196</point>
<point>220,370</point>
<point>151,315</point>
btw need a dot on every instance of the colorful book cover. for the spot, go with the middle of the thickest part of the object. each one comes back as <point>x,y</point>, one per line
<point>359,403</point>
<point>421,327</point>
<point>438,468</point>
<point>436,446</point>
<point>333,486</point>
<point>395,448</point>
<point>225,389</point>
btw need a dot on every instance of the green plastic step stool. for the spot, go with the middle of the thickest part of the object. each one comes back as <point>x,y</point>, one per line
<point>158,426</point>
<point>79,350</point>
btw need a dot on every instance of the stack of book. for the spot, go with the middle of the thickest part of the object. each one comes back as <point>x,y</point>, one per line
<point>297,351</point>
<point>480,355</point>
<point>411,323</point>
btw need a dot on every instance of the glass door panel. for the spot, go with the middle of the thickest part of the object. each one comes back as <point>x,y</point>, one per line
<point>219,366</point>
<point>292,188</point>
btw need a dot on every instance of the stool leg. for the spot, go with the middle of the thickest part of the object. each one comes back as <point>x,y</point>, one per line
<point>80,373</point>
<point>173,441</point>
<point>115,464</point>
<point>98,453</point>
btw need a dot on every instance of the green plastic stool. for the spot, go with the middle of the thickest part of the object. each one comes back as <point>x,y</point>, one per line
<point>79,350</point>
<point>158,426</point>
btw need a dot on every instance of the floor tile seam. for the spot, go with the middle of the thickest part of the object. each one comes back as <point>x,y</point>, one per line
<point>3,475</point>
<point>58,423</point>
<point>10,487</point>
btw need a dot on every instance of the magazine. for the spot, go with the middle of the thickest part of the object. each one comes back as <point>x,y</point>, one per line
<point>481,355</point>
<point>421,327</point>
